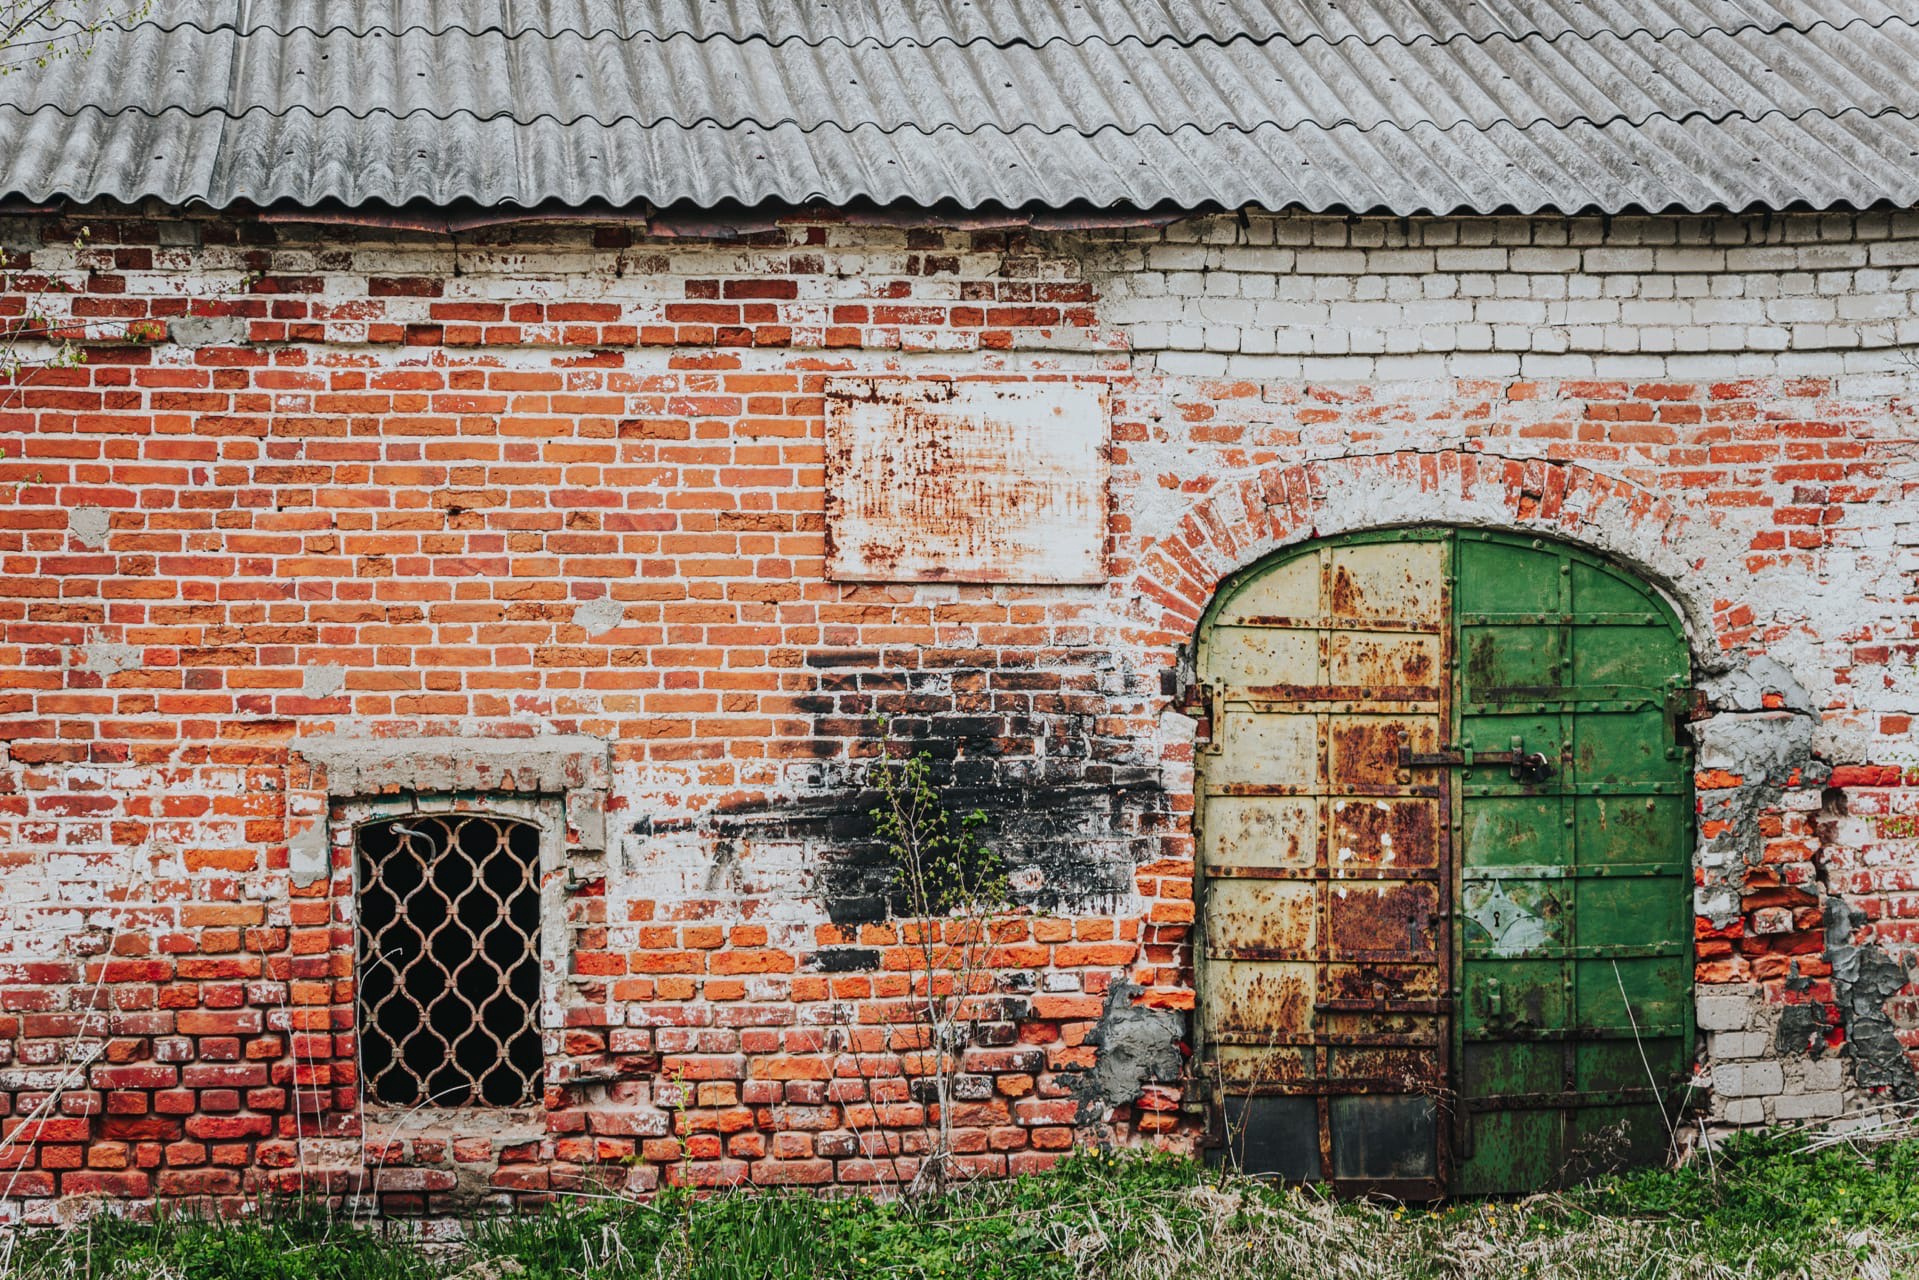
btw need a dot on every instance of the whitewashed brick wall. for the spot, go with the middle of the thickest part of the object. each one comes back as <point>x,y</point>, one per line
<point>1341,298</point>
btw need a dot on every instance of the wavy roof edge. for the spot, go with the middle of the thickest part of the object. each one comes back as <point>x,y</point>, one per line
<point>1032,22</point>
<point>1149,41</point>
<point>1848,160</point>
<point>750,123</point>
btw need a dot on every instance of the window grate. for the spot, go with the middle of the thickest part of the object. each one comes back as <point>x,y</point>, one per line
<point>449,960</point>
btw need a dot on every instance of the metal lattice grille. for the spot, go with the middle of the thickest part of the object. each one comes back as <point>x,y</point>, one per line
<point>449,972</point>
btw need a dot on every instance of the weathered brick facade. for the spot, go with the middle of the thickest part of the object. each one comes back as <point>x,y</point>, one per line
<point>322,491</point>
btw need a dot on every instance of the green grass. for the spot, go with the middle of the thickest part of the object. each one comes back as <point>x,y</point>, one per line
<point>1765,1206</point>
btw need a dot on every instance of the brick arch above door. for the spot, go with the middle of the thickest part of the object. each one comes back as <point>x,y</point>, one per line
<point>1690,555</point>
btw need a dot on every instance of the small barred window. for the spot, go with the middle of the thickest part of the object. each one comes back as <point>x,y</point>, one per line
<point>449,961</point>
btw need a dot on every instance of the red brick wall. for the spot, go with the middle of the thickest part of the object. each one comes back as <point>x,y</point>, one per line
<point>364,482</point>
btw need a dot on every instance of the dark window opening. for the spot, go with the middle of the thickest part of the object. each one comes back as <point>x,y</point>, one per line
<point>449,961</point>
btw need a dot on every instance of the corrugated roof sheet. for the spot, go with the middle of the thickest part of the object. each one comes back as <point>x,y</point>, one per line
<point>1397,105</point>
<point>1034,22</point>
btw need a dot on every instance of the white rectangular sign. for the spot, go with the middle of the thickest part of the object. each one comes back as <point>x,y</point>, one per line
<point>942,480</point>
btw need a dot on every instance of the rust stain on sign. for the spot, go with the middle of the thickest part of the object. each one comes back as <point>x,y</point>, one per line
<point>970,480</point>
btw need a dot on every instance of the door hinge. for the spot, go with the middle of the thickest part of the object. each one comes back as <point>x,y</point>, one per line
<point>1684,706</point>
<point>1200,702</point>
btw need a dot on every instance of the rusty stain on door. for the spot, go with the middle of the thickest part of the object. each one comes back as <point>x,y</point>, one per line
<point>1423,963</point>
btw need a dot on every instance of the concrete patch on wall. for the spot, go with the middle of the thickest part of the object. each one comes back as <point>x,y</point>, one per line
<point>208,331</point>
<point>90,525</point>
<point>367,766</point>
<point>1864,979</point>
<point>1137,1046</point>
<point>104,658</point>
<point>322,680</point>
<point>571,765</point>
<point>309,856</point>
<point>1759,744</point>
<point>597,617</point>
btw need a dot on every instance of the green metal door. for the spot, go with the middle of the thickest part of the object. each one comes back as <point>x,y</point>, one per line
<point>1574,897</point>
<point>1506,702</point>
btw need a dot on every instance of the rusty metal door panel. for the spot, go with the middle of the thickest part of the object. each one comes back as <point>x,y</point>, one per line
<point>1287,589</point>
<point>1263,1002</point>
<point>1393,921</point>
<point>1246,656</point>
<point>1405,664</point>
<point>1365,750</point>
<point>1382,834</point>
<point>1260,751</point>
<point>1387,580</point>
<point>1260,832</point>
<point>1322,1005</point>
<point>1444,835</point>
<point>1252,917</point>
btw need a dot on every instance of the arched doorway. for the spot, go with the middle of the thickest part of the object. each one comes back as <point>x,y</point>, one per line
<point>1444,826</point>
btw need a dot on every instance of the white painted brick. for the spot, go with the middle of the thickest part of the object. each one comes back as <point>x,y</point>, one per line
<point>1501,365</point>
<point>1745,1111</point>
<point>1539,260</point>
<point>1733,1045</point>
<point>1826,257</point>
<point>1822,1074</point>
<point>1389,261</point>
<point>1338,368</point>
<point>1175,257</point>
<point>1341,262</point>
<point>1725,1013</point>
<point>1533,365</point>
<point>1510,312</point>
<point>1807,1106</point>
<point>1192,364</point>
<point>1610,259</point>
<point>1257,260</point>
<point>1291,313</point>
<point>1472,259</point>
<point>1262,367</point>
<point>1900,253</point>
<point>1233,311</point>
<point>1222,337</point>
<point>1727,289</point>
<point>1689,259</point>
<point>1748,1079</point>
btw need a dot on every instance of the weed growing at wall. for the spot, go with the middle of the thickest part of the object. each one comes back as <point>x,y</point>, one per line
<point>948,890</point>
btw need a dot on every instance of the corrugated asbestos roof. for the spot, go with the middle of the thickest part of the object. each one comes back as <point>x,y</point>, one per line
<point>1404,106</point>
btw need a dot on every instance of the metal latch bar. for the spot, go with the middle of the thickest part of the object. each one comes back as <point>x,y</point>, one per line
<point>1526,766</point>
